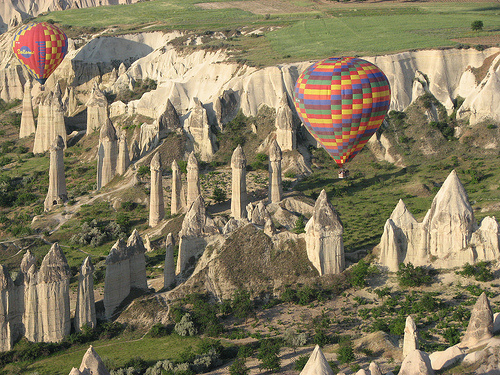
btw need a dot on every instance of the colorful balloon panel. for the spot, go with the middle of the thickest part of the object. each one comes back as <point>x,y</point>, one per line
<point>40,47</point>
<point>342,101</point>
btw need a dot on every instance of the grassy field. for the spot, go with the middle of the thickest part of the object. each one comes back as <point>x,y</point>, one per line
<point>306,30</point>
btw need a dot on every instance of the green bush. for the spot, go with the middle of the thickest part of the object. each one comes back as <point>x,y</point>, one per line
<point>477,25</point>
<point>480,271</point>
<point>239,367</point>
<point>360,272</point>
<point>345,354</point>
<point>269,355</point>
<point>143,170</point>
<point>219,195</point>
<point>410,276</point>
<point>300,362</point>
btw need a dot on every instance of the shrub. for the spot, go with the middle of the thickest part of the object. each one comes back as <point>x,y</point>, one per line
<point>359,273</point>
<point>269,355</point>
<point>143,170</point>
<point>219,195</point>
<point>239,367</point>
<point>186,326</point>
<point>345,354</point>
<point>300,362</point>
<point>299,225</point>
<point>410,276</point>
<point>480,271</point>
<point>158,330</point>
<point>294,339</point>
<point>477,25</point>
<point>242,305</point>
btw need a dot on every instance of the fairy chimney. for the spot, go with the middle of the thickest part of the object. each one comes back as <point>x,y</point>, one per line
<point>50,122</point>
<point>97,109</point>
<point>85,303</point>
<point>285,132</point>
<point>27,118</point>
<point>410,342</point>
<point>123,160</point>
<point>106,155</point>
<point>193,180</point>
<point>239,184</point>
<point>275,185</point>
<point>156,205</point>
<point>176,202</point>
<point>57,183</point>
<point>169,267</point>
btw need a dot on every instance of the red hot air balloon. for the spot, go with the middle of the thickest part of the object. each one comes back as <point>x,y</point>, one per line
<point>342,101</point>
<point>40,47</point>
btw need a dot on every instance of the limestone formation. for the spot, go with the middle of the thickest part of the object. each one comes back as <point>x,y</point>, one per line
<point>169,120</point>
<point>6,307</point>
<point>198,128</point>
<point>27,118</point>
<point>106,155</point>
<point>169,267</point>
<point>239,184</point>
<point>480,325</point>
<point>193,180</point>
<point>123,160</point>
<point>324,242</point>
<point>375,369</point>
<point>57,182</point>
<point>53,295</point>
<point>416,363</point>
<point>410,342</point>
<point>85,303</point>
<point>448,234</point>
<point>117,281</point>
<point>97,109</point>
<point>50,122</point>
<point>317,364</point>
<point>92,363</point>
<point>156,205</point>
<point>275,184</point>
<point>136,250</point>
<point>176,202</point>
<point>285,132</point>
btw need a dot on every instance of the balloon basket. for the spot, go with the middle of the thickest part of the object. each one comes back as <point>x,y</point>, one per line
<point>343,173</point>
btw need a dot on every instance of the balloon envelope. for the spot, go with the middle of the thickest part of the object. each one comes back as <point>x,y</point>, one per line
<point>40,47</point>
<point>342,101</point>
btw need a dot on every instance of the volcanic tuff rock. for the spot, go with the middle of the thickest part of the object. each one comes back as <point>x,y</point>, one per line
<point>57,182</point>
<point>239,184</point>
<point>325,246</point>
<point>285,132</point>
<point>176,188</point>
<point>275,184</point>
<point>317,364</point>
<point>92,363</point>
<point>193,180</point>
<point>480,324</point>
<point>85,303</point>
<point>31,317</point>
<point>169,266</point>
<point>156,204</point>
<point>97,109</point>
<point>6,306</point>
<point>375,369</point>
<point>198,128</point>
<point>448,233</point>
<point>123,160</point>
<point>169,120</point>
<point>416,363</point>
<point>136,250</point>
<point>107,154</point>
<point>50,121</point>
<point>446,358</point>
<point>410,342</point>
<point>226,107</point>
<point>27,119</point>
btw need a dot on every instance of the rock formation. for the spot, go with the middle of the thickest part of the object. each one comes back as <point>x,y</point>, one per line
<point>135,150</point>
<point>448,233</point>
<point>125,269</point>
<point>176,202</point>
<point>50,122</point>
<point>85,303</point>
<point>275,185</point>
<point>317,364</point>
<point>285,132</point>
<point>410,342</point>
<point>258,215</point>
<point>31,316</point>
<point>27,119</point>
<point>123,160</point>
<point>443,359</point>
<point>226,107</point>
<point>156,205</point>
<point>416,363</point>
<point>106,155</point>
<point>480,326</point>
<point>149,137</point>
<point>92,363</point>
<point>53,296</point>
<point>239,184</point>
<point>70,103</point>
<point>374,369</point>
<point>325,246</point>
<point>6,307</point>
<point>97,109</point>
<point>193,180</point>
<point>169,120</point>
<point>169,267</point>
<point>198,128</point>
<point>57,182</point>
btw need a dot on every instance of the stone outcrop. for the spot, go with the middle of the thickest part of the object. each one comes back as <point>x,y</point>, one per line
<point>226,107</point>
<point>285,132</point>
<point>123,161</point>
<point>97,109</point>
<point>410,342</point>
<point>446,358</point>
<point>31,316</point>
<point>50,121</point>
<point>448,234</point>
<point>85,302</point>
<point>324,242</point>
<point>125,269</point>
<point>317,364</point>
<point>198,128</point>
<point>239,184</point>
<point>156,204</point>
<point>7,298</point>
<point>258,215</point>
<point>135,150</point>
<point>53,296</point>
<point>57,193</point>
<point>176,188</point>
<point>193,180</point>
<point>375,369</point>
<point>92,363</point>
<point>107,154</point>
<point>169,266</point>
<point>480,326</point>
<point>27,118</point>
<point>169,120</point>
<point>149,137</point>
<point>275,183</point>
<point>70,103</point>
<point>416,363</point>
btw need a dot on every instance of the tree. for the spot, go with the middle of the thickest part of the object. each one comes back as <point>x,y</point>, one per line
<point>219,195</point>
<point>345,354</point>
<point>239,367</point>
<point>242,305</point>
<point>269,355</point>
<point>477,25</point>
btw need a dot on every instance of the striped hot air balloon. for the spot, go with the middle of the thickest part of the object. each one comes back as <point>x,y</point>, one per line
<point>342,101</point>
<point>40,47</point>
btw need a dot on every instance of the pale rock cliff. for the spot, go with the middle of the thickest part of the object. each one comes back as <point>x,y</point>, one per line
<point>193,180</point>
<point>27,118</point>
<point>198,129</point>
<point>117,281</point>
<point>410,341</point>
<point>97,110</point>
<point>107,154</point>
<point>275,183</point>
<point>226,107</point>
<point>149,137</point>
<point>85,303</point>
<point>169,120</point>
<point>136,251</point>
<point>480,326</point>
<point>239,185</point>
<point>156,204</point>
<point>57,193</point>
<point>50,121</point>
<point>169,266</point>
<point>325,246</point>
<point>317,364</point>
<point>285,131</point>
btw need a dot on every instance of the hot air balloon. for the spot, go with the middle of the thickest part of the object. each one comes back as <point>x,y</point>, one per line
<point>40,47</point>
<point>342,101</point>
